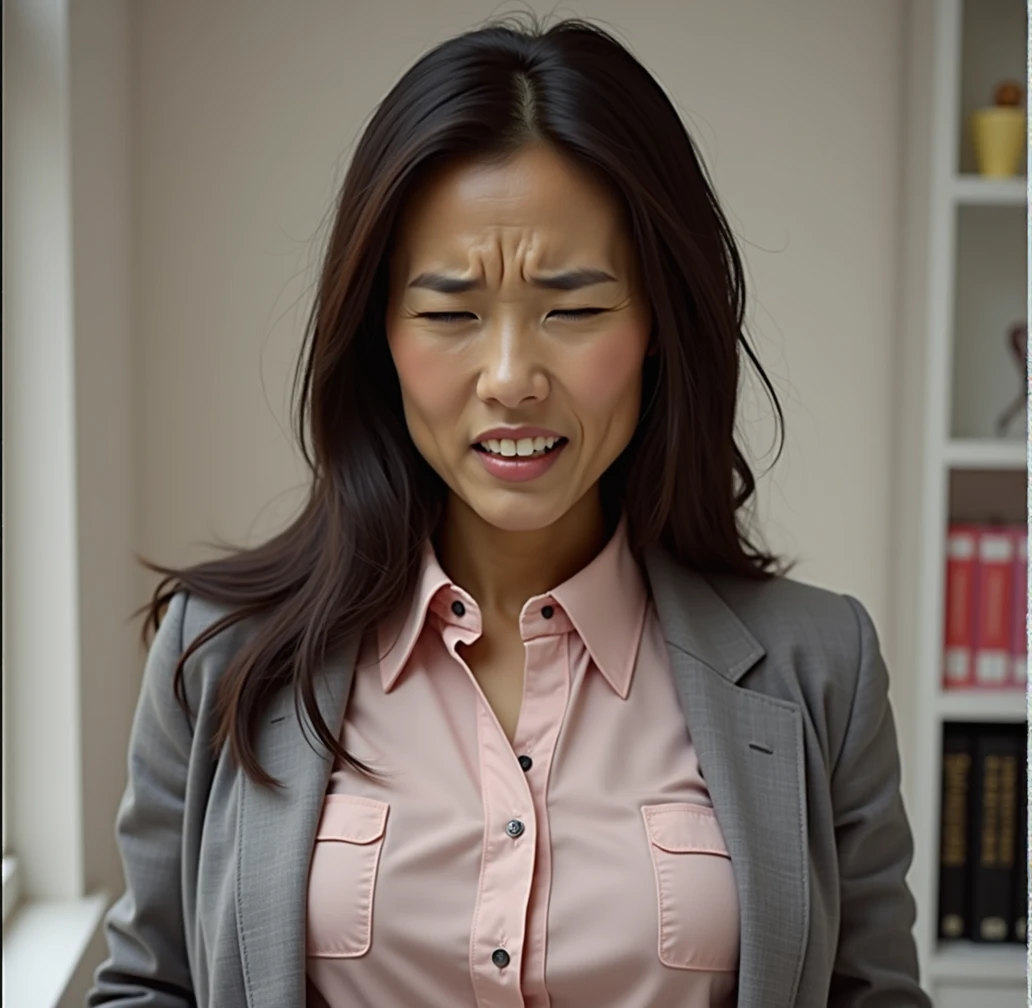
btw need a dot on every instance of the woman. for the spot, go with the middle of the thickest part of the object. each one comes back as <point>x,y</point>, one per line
<point>514,713</point>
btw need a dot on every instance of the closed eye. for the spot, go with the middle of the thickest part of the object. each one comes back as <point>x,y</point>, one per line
<point>446,316</point>
<point>572,313</point>
<point>576,313</point>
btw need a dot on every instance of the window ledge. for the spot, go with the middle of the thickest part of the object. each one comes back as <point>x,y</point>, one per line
<point>44,941</point>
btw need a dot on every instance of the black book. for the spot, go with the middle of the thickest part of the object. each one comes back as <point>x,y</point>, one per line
<point>998,755</point>
<point>954,818</point>
<point>1020,914</point>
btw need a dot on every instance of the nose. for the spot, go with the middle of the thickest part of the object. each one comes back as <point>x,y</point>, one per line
<point>512,371</point>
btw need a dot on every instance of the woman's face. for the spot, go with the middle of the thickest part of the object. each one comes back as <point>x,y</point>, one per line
<point>518,330</point>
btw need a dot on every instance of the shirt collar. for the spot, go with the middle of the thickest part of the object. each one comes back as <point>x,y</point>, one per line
<point>605,601</point>
<point>397,638</point>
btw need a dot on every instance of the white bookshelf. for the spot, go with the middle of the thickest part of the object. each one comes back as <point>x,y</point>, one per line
<point>985,453</point>
<point>963,283</point>
<point>988,705</point>
<point>974,190</point>
<point>991,966</point>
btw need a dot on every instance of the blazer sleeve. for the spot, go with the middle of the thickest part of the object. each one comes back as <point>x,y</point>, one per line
<point>147,957</point>
<point>876,961</point>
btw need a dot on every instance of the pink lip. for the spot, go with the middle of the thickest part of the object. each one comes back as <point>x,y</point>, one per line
<point>514,433</point>
<point>519,470</point>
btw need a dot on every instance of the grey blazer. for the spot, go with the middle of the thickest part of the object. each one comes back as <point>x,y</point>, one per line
<point>783,689</point>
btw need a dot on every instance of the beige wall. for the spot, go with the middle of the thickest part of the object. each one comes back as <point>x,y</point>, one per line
<point>245,116</point>
<point>214,181</point>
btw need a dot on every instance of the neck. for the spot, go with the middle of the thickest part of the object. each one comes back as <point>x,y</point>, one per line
<point>502,569</point>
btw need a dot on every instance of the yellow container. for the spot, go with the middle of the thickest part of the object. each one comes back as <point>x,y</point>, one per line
<point>998,134</point>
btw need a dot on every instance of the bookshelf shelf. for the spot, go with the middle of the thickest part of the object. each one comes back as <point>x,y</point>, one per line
<point>964,289</point>
<point>968,961</point>
<point>982,705</point>
<point>974,190</point>
<point>986,453</point>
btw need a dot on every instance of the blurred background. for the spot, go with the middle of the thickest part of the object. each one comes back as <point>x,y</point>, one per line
<point>169,168</point>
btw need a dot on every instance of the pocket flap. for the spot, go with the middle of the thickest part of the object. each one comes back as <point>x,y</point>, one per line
<point>682,828</point>
<point>352,819</point>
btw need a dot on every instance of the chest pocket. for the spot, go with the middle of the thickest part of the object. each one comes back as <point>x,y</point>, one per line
<point>342,877</point>
<point>695,885</point>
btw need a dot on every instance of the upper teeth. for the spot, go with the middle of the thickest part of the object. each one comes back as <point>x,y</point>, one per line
<point>525,446</point>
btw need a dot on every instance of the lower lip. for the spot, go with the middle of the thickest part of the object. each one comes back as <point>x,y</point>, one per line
<point>519,470</point>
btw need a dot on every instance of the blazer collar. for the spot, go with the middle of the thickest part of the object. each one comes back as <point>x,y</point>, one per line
<point>697,620</point>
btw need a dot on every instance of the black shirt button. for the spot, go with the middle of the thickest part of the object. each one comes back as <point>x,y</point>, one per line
<point>500,958</point>
<point>548,612</point>
<point>515,828</point>
<point>458,608</point>
<point>526,763</point>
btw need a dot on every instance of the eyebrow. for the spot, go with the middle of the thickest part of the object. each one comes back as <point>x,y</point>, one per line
<point>572,280</point>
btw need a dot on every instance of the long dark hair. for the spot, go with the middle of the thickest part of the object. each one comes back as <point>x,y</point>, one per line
<point>353,552</point>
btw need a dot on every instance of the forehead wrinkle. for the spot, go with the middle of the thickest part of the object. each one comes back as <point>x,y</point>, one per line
<point>506,255</point>
<point>511,254</point>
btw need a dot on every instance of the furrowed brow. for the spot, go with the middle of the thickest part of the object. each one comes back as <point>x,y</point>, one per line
<point>573,280</point>
<point>569,281</point>
<point>443,284</point>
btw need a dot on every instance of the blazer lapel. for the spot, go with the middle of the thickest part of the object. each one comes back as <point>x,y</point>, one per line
<point>750,750</point>
<point>275,835</point>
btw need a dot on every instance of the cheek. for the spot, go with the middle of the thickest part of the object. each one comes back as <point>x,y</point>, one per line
<point>431,383</point>
<point>606,379</point>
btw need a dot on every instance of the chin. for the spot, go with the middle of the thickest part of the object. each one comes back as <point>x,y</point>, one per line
<point>520,513</point>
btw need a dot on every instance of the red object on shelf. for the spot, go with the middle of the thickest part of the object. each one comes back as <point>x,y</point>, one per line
<point>994,609</point>
<point>1019,620</point>
<point>958,659</point>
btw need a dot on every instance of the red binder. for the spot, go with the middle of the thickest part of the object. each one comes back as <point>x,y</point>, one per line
<point>1019,625</point>
<point>994,608</point>
<point>958,664</point>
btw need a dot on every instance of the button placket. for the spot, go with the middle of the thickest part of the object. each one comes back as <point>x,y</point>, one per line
<point>499,921</point>
<point>505,904</point>
<point>545,702</point>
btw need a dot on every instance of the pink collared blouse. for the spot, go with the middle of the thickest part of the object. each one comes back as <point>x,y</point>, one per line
<point>580,865</point>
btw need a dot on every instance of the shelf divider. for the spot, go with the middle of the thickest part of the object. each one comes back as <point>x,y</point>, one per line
<point>976,190</point>
<point>986,453</point>
<point>1004,705</point>
<point>963,960</point>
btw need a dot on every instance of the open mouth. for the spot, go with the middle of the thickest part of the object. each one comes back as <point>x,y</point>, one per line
<point>524,448</point>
